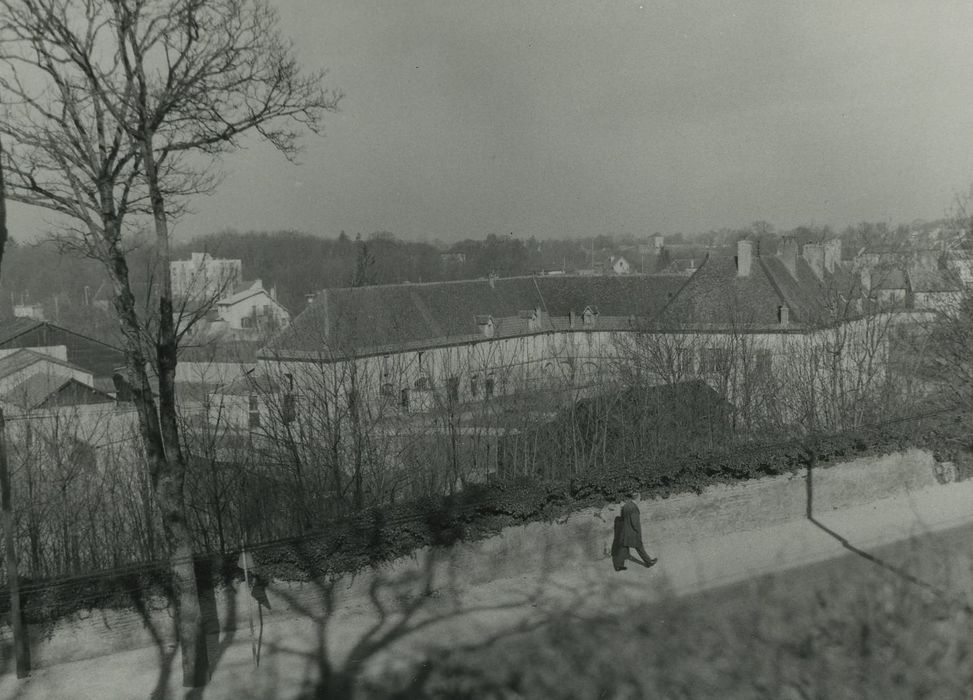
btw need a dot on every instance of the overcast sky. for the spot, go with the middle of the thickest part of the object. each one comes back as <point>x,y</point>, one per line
<point>571,118</point>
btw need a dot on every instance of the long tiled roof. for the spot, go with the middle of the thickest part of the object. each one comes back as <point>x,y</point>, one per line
<point>375,319</point>
<point>391,318</point>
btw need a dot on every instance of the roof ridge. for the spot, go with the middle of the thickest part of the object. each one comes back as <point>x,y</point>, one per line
<point>682,287</point>
<point>425,313</point>
<point>776,287</point>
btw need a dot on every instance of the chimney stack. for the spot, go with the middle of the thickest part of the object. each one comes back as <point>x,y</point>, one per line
<point>814,255</point>
<point>744,257</point>
<point>784,315</point>
<point>832,254</point>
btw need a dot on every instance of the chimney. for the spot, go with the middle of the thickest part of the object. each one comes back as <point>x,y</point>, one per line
<point>784,315</point>
<point>744,258</point>
<point>814,255</point>
<point>832,254</point>
<point>828,258</point>
<point>273,293</point>
<point>787,252</point>
<point>866,280</point>
<point>493,280</point>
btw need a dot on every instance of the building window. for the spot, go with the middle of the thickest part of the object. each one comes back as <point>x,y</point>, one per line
<point>422,383</point>
<point>452,389</point>
<point>254,413</point>
<point>714,360</point>
<point>404,398</point>
<point>684,361</point>
<point>289,408</point>
<point>387,389</point>
<point>764,363</point>
<point>588,316</point>
<point>474,385</point>
<point>489,385</point>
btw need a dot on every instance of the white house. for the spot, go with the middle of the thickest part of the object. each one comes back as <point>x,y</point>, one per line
<point>251,307</point>
<point>620,266</point>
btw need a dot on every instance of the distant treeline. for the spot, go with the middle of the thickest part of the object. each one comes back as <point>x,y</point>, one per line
<point>73,289</point>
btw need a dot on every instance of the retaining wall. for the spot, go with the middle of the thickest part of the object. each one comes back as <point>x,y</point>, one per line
<point>584,535</point>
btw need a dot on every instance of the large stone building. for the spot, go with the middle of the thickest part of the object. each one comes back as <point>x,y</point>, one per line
<point>798,318</point>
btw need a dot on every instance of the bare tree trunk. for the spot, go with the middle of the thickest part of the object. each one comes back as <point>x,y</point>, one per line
<point>21,648</point>
<point>171,473</point>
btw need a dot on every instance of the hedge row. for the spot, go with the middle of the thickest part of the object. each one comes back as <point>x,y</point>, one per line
<point>380,535</point>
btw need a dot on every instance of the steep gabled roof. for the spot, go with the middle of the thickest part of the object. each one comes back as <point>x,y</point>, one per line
<point>386,318</point>
<point>14,328</point>
<point>45,390</point>
<point>925,280</point>
<point>23,358</point>
<point>716,296</point>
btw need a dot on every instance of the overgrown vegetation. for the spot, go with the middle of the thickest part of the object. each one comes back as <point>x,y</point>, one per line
<point>379,535</point>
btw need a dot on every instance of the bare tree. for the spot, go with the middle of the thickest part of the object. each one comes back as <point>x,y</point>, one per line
<point>117,111</point>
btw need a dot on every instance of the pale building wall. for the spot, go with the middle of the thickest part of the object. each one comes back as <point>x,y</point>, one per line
<point>203,276</point>
<point>260,305</point>
<point>832,361</point>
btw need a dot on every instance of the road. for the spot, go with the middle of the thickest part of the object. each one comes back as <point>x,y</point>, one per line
<point>397,626</point>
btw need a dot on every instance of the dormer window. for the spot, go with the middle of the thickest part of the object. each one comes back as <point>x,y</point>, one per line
<point>588,316</point>
<point>533,319</point>
<point>486,326</point>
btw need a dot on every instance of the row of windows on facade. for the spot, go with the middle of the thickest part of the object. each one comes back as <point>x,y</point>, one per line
<point>423,383</point>
<point>288,410</point>
<point>711,360</point>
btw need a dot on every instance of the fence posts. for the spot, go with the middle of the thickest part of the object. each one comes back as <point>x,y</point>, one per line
<point>21,646</point>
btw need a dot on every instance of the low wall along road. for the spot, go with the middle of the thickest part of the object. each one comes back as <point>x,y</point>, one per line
<point>679,523</point>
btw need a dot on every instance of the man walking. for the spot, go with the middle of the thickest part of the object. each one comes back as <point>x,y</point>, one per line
<point>628,533</point>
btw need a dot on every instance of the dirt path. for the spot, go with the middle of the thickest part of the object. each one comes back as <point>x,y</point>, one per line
<point>401,619</point>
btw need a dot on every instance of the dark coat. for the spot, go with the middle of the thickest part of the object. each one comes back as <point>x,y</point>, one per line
<point>631,535</point>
